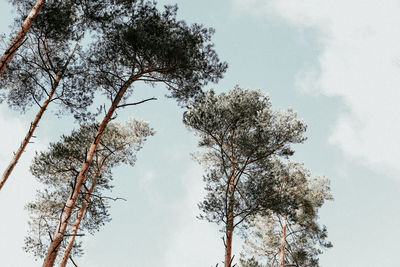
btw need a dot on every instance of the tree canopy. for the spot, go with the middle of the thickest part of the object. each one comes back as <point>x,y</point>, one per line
<point>125,60</point>
<point>47,60</point>
<point>240,134</point>
<point>291,235</point>
<point>18,40</point>
<point>57,169</point>
<point>78,52</point>
<point>154,46</point>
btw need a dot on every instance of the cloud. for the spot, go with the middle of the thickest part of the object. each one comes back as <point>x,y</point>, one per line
<point>359,62</point>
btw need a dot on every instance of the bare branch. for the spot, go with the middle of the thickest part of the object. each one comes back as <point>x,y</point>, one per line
<point>137,103</point>
<point>101,197</point>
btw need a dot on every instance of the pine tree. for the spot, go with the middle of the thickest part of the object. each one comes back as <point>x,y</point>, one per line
<point>20,36</point>
<point>292,236</point>
<point>142,44</point>
<point>49,67</point>
<point>240,134</point>
<point>57,169</point>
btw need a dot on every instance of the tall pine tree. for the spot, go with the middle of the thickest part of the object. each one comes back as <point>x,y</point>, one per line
<point>240,134</point>
<point>291,236</point>
<point>142,44</point>
<point>57,169</point>
<point>49,66</point>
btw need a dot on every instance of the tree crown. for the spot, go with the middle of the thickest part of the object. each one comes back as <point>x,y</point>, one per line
<point>58,167</point>
<point>241,134</point>
<point>155,47</point>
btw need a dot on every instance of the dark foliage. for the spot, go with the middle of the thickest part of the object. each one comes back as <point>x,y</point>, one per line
<point>155,47</point>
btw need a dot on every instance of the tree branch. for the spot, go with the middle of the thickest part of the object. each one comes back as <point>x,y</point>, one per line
<point>136,103</point>
<point>115,199</point>
<point>70,257</point>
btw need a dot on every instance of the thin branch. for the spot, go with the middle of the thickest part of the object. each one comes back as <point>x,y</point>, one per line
<point>100,197</point>
<point>46,51</point>
<point>70,257</point>
<point>137,103</point>
<point>107,148</point>
<point>74,234</point>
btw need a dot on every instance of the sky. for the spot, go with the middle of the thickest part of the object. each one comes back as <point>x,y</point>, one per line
<point>337,63</point>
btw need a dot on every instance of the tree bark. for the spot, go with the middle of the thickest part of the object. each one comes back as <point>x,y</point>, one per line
<point>283,242</point>
<point>28,135</point>
<point>230,222</point>
<point>19,38</point>
<point>70,203</point>
<point>35,123</point>
<point>78,220</point>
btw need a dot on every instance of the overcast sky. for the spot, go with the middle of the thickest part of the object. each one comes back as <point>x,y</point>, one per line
<point>337,63</point>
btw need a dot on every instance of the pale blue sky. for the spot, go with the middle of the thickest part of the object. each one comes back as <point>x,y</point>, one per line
<point>334,62</point>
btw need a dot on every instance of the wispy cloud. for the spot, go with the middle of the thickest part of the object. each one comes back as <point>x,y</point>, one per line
<point>359,62</point>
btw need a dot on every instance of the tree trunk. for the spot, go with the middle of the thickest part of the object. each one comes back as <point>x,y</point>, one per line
<point>230,222</point>
<point>19,38</point>
<point>78,220</point>
<point>70,203</point>
<point>35,123</point>
<point>283,242</point>
<point>28,135</point>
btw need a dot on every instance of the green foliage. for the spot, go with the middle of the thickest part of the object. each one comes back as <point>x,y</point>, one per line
<point>129,38</point>
<point>240,134</point>
<point>57,168</point>
<point>305,238</point>
<point>62,19</point>
<point>244,118</point>
<point>44,55</point>
<point>252,262</point>
<point>154,46</point>
<point>56,18</point>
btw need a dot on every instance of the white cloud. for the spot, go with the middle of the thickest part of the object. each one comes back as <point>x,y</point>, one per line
<point>359,61</point>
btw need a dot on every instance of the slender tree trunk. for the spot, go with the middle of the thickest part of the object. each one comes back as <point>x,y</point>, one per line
<point>28,135</point>
<point>283,242</point>
<point>70,203</point>
<point>78,220</point>
<point>35,123</point>
<point>19,38</point>
<point>230,222</point>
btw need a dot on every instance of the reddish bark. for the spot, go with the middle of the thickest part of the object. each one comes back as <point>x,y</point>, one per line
<point>283,242</point>
<point>78,220</point>
<point>19,38</point>
<point>230,221</point>
<point>35,123</point>
<point>70,203</point>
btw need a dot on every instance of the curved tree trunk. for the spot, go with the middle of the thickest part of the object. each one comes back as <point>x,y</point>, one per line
<point>19,38</point>
<point>70,203</point>
<point>35,123</point>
